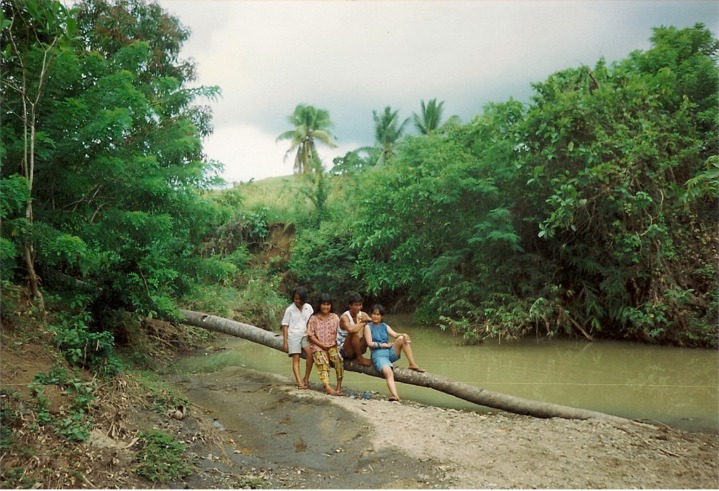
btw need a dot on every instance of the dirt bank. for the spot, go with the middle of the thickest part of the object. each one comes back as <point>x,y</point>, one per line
<point>245,429</point>
<point>304,439</point>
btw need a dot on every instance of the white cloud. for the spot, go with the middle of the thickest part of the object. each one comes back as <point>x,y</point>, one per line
<point>249,152</point>
<point>353,57</point>
<point>246,152</point>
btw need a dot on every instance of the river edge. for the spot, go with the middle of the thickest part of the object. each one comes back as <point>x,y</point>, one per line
<point>244,428</point>
<point>289,438</point>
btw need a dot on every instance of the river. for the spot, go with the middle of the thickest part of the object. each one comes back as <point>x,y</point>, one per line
<point>674,386</point>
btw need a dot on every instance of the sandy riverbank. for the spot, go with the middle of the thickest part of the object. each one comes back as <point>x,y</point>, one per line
<point>290,438</point>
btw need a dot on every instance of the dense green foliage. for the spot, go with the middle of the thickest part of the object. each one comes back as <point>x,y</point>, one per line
<point>590,210</point>
<point>113,210</point>
<point>118,163</point>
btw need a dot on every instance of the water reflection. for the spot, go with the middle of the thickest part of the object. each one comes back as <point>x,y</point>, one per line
<point>679,387</point>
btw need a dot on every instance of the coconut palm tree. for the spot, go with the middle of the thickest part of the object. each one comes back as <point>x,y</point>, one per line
<point>310,124</point>
<point>388,130</point>
<point>430,118</point>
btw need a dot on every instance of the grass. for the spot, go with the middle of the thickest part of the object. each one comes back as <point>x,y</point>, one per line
<point>281,197</point>
<point>284,198</point>
<point>162,458</point>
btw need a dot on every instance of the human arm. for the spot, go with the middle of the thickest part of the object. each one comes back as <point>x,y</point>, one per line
<point>312,334</point>
<point>355,328</point>
<point>362,320</point>
<point>394,334</point>
<point>313,339</point>
<point>285,323</point>
<point>345,324</point>
<point>370,342</point>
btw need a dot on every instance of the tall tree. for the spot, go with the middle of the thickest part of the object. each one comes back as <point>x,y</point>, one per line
<point>310,124</point>
<point>589,211</point>
<point>388,130</point>
<point>32,34</point>
<point>118,162</point>
<point>109,26</point>
<point>135,166</point>
<point>611,154</point>
<point>429,120</point>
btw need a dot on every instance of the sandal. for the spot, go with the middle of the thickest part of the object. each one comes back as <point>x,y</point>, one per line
<point>417,369</point>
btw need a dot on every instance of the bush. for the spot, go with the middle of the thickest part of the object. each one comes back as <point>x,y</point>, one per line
<point>83,348</point>
<point>161,458</point>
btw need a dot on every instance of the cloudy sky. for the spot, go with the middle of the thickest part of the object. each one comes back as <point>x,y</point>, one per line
<point>353,57</point>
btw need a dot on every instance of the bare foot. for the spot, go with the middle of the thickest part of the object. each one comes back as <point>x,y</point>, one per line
<point>364,361</point>
<point>338,391</point>
<point>417,369</point>
<point>330,391</point>
<point>301,386</point>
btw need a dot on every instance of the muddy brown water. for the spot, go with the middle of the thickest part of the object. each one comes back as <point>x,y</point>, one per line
<point>675,386</point>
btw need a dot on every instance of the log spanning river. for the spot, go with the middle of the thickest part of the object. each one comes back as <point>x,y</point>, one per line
<point>677,387</point>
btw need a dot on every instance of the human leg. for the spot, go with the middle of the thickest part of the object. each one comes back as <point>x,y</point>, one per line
<point>308,362</point>
<point>355,348</point>
<point>293,350</point>
<point>360,346</point>
<point>336,359</point>
<point>296,343</point>
<point>296,370</point>
<point>382,360</point>
<point>389,378</point>
<point>348,348</point>
<point>402,346</point>
<point>323,370</point>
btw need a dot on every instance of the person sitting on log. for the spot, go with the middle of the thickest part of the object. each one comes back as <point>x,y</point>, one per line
<point>384,353</point>
<point>349,336</point>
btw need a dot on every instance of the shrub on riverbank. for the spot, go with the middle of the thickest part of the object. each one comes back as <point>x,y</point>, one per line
<point>589,212</point>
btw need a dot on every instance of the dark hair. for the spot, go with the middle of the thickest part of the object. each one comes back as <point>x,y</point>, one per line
<point>324,298</point>
<point>354,297</point>
<point>379,308</point>
<point>302,292</point>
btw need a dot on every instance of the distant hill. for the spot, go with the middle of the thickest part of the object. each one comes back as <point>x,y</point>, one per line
<point>282,196</point>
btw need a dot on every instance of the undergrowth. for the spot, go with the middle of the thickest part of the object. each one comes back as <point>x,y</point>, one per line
<point>161,458</point>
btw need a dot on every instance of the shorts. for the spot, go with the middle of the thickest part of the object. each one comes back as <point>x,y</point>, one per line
<point>296,343</point>
<point>382,357</point>
<point>345,356</point>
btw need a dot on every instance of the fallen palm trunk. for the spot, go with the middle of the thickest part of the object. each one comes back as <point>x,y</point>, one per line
<point>467,392</point>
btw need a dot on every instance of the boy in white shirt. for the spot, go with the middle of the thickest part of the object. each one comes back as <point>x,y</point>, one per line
<point>294,335</point>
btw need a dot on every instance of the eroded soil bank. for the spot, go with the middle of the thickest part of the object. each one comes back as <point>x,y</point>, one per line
<point>246,429</point>
<point>274,435</point>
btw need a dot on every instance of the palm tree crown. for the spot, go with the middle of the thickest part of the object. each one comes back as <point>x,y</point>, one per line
<point>429,119</point>
<point>388,130</point>
<point>310,124</point>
